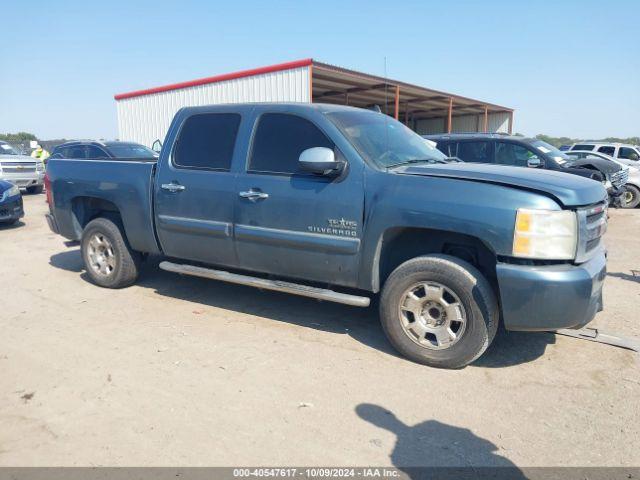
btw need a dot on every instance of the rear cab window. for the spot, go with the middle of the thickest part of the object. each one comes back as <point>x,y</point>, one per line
<point>206,141</point>
<point>583,146</point>
<point>279,140</point>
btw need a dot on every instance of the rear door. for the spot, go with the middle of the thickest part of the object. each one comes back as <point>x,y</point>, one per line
<point>195,190</point>
<point>291,223</point>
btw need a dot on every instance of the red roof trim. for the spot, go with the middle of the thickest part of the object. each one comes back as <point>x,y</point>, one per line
<point>218,78</point>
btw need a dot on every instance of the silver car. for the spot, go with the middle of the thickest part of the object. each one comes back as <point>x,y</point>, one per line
<point>21,170</point>
<point>632,194</point>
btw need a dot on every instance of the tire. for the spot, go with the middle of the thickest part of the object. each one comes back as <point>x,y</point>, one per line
<point>35,189</point>
<point>108,258</point>
<point>467,296</point>
<point>631,196</point>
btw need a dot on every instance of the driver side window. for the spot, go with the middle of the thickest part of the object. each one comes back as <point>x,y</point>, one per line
<point>628,153</point>
<point>513,154</point>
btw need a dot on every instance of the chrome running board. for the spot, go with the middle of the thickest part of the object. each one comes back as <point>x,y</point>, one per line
<point>277,285</point>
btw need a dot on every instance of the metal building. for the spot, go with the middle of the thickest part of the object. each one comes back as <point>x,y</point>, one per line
<point>144,115</point>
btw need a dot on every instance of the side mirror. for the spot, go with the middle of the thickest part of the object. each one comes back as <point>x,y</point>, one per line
<point>320,160</point>
<point>534,162</point>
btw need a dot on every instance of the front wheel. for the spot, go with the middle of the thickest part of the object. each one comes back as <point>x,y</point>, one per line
<point>439,310</point>
<point>109,260</point>
<point>631,196</point>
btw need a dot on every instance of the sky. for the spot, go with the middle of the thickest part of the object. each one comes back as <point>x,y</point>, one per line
<point>568,68</point>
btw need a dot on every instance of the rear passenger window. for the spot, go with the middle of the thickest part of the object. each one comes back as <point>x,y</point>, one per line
<point>206,141</point>
<point>607,150</point>
<point>477,152</point>
<point>279,141</point>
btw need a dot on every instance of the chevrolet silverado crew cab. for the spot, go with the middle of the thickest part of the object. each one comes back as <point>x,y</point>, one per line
<point>345,205</point>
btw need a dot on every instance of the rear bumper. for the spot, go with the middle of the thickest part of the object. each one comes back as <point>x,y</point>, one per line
<point>11,210</point>
<point>551,297</point>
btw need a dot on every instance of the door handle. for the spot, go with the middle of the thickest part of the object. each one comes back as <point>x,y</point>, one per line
<point>172,187</point>
<point>254,195</point>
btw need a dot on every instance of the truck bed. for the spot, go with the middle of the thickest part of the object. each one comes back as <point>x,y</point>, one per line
<point>79,187</point>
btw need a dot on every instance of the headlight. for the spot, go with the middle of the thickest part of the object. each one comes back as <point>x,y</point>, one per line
<point>12,192</point>
<point>545,234</point>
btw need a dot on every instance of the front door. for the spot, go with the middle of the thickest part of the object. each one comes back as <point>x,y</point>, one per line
<point>195,190</point>
<point>291,223</point>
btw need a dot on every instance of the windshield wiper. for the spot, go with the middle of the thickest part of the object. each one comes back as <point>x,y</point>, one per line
<point>416,160</point>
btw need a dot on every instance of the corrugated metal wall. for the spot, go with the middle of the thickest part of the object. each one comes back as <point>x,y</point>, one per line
<point>146,118</point>
<point>498,122</point>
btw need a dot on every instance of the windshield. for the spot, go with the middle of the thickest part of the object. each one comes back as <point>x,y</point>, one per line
<point>384,141</point>
<point>559,156</point>
<point>131,150</point>
<point>6,149</point>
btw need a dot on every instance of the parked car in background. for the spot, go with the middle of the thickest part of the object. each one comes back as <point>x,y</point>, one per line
<point>619,151</point>
<point>342,204</point>
<point>111,150</point>
<point>632,187</point>
<point>513,150</point>
<point>11,209</point>
<point>21,170</point>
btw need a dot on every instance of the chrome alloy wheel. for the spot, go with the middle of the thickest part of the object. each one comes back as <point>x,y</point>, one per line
<point>432,315</point>
<point>101,257</point>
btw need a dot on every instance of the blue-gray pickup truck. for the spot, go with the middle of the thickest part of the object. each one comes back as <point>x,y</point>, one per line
<point>345,205</point>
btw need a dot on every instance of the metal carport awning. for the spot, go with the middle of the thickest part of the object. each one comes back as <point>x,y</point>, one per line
<point>405,102</point>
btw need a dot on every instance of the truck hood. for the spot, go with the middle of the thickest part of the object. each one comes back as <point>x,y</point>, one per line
<point>16,158</point>
<point>569,190</point>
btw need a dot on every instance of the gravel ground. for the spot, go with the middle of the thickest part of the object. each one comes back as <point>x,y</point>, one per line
<point>183,371</point>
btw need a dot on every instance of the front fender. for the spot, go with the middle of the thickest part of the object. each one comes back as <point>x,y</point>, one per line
<point>481,210</point>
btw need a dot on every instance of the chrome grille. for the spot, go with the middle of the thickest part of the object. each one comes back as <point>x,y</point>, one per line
<point>619,179</point>
<point>18,167</point>
<point>592,225</point>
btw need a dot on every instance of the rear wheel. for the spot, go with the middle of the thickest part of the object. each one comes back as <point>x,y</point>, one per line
<point>631,196</point>
<point>109,260</point>
<point>439,310</point>
<point>35,189</point>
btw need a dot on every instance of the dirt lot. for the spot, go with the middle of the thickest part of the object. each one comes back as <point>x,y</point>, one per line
<point>185,371</point>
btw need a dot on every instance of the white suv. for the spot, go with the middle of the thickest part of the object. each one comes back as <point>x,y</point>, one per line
<point>628,154</point>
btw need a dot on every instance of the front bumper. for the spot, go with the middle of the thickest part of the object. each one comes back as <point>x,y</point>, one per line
<point>11,209</point>
<point>24,180</point>
<point>551,297</point>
